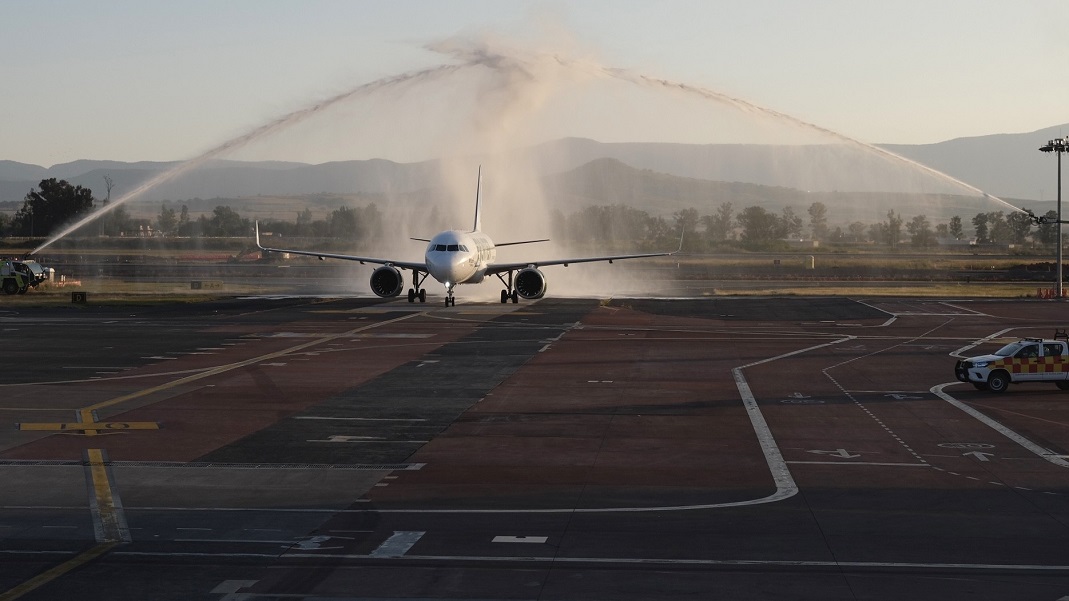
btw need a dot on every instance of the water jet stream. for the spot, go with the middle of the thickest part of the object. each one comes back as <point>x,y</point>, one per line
<point>483,55</point>
<point>515,68</point>
<point>244,139</point>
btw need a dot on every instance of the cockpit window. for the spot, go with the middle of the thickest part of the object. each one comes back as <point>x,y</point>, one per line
<point>439,247</point>
<point>463,248</point>
<point>453,247</point>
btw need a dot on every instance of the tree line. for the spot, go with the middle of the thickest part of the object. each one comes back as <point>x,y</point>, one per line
<point>58,203</point>
<point>757,228</point>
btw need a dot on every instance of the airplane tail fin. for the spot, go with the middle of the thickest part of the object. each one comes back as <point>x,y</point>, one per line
<point>478,202</point>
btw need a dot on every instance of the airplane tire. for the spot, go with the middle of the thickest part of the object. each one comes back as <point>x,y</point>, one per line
<point>504,296</point>
<point>515,297</point>
<point>411,295</point>
<point>422,295</point>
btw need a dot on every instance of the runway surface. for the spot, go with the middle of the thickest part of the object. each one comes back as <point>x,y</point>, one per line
<point>566,449</point>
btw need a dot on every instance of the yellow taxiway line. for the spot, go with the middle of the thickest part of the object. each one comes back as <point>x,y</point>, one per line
<point>87,421</point>
<point>45,577</point>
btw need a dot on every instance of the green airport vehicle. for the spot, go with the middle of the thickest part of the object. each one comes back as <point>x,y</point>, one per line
<point>18,276</point>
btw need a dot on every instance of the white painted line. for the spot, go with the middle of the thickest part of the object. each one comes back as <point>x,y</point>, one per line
<point>785,485</point>
<point>33,552</point>
<point>538,540</point>
<point>885,392</point>
<point>966,309</point>
<point>398,544</point>
<point>781,475</point>
<point>958,352</point>
<point>889,321</point>
<point>232,586</point>
<point>361,419</point>
<point>284,543</point>
<point>861,565</point>
<point>713,562</point>
<point>860,463</point>
<point>1042,452</point>
<point>365,440</point>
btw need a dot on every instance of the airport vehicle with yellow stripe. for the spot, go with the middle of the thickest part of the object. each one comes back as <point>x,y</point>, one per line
<point>1027,360</point>
<point>16,277</point>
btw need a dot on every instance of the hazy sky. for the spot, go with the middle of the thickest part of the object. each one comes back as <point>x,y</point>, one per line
<point>137,80</point>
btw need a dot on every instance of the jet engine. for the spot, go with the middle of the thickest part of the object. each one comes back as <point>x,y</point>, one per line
<point>386,281</point>
<point>530,283</point>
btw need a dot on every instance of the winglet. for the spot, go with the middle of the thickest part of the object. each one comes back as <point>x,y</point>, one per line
<point>680,249</point>
<point>478,202</point>
<point>258,245</point>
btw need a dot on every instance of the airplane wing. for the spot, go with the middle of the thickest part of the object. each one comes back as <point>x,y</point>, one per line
<point>503,267</point>
<point>324,255</point>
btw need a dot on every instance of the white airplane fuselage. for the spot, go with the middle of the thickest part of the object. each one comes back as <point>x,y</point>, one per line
<point>459,257</point>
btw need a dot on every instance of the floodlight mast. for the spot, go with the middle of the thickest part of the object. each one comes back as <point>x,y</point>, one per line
<point>1058,146</point>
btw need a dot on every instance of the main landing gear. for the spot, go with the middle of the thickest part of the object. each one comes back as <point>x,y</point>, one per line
<point>415,291</point>
<point>508,293</point>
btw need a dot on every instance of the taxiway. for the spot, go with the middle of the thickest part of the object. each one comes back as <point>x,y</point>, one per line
<point>347,448</point>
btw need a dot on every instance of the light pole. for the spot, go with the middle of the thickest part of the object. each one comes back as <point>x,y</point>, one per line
<point>1058,146</point>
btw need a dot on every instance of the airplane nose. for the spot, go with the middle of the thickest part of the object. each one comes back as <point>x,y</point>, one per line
<point>439,269</point>
<point>453,267</point>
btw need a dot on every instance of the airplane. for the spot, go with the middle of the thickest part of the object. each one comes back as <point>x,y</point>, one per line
<point>461,257</point>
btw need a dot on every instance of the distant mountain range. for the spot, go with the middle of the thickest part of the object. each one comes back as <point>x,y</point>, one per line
<point>576,172</point>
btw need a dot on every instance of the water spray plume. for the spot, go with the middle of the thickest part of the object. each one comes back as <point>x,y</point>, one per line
<point>520,83</point>
<point>482,54</point>
<point>235,143</point>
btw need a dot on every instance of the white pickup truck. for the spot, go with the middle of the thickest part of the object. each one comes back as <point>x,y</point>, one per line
<point>1027,360</point>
